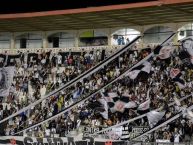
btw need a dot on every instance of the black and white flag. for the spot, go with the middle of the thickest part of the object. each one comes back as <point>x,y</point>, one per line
<point>163,52</point>
<point>143,68</point>
<point>118,103</point>
<point>6,79</point>
<point>176,74</point>
<point>187,46</point>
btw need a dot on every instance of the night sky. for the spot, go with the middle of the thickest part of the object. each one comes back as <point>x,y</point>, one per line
<point>20,6</point>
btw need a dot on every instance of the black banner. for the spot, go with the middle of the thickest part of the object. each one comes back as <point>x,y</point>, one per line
<point>56,141</point>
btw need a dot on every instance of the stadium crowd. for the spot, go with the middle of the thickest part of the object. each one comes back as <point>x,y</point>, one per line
<point>56,103</point>
<point>39,73</point>
<point>117,102</point>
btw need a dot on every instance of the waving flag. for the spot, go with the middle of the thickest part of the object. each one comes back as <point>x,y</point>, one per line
<point>110,98</point>
<point>175,74</point>
<point>118,103</point>
<point>163,52</point>
<point>187,44</point>
<point>143,68</point>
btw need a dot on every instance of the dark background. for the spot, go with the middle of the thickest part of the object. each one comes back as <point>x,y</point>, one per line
<point>20,6</point>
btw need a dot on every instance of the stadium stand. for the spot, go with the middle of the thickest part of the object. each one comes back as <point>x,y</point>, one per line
<point>105,75</point>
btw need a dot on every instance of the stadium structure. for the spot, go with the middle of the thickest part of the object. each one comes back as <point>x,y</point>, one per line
<point>96,72</point>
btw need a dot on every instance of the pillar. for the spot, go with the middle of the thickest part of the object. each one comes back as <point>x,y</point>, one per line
<point>44,39</point>
<point>142,38</point>
<point>175,29</point>
<point>76,38</point>
<point>109,37</point>
<point>12,46</point>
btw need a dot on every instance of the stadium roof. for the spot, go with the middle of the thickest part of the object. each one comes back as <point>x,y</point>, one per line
<point>116,15</point>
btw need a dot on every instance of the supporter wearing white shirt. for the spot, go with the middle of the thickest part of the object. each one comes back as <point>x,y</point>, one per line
<point>36,75</point>
<point>177,138</point>
<point>59,59</point>
<point>43,61</point>
<point>117,71</point>
<point>47,132</point>
<point>20,71</point>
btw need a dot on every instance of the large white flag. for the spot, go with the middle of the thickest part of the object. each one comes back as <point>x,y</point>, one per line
<point>6,79</point>
<point>147,67</point>
<point>154,117</point>
<point>133,74</point>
